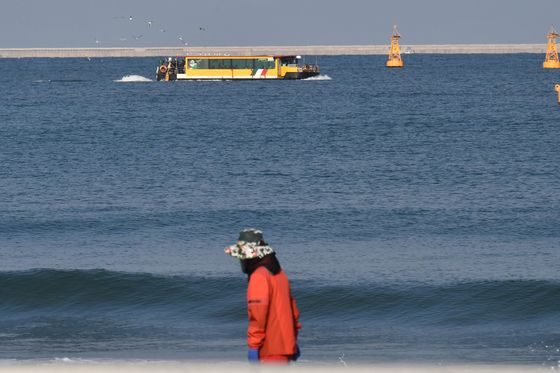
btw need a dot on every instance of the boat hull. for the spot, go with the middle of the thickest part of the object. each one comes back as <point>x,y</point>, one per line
<point>287,76</point>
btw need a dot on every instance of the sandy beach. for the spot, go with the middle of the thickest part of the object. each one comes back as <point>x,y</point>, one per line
<point>65,365</point>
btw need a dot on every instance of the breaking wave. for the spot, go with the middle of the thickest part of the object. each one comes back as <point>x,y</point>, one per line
<point>47,312</point>
<point>44,291</point>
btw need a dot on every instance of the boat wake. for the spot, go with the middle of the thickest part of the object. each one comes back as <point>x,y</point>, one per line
<point>60,81</point>
<point>133,79</point>
<point>319,77</point>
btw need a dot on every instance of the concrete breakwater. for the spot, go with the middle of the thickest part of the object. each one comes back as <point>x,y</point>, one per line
<point>317,50</point>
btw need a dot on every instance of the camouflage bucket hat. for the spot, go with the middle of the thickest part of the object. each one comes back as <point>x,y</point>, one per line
<point>250,245</point>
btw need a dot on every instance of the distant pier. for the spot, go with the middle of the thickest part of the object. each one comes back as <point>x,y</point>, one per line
<point>309,50</point>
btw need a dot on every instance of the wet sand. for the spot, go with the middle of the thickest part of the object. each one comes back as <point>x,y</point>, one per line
<point>186,367</point>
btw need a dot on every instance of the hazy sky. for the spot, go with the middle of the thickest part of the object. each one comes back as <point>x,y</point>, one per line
<point>80,23</point>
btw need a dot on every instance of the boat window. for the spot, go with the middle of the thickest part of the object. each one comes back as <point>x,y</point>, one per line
<point>288,61</point>
<point>242,63</point>
<point>265,63</point>
<point>226,63</point>
<point>198,64</point>
<point>219,63</point>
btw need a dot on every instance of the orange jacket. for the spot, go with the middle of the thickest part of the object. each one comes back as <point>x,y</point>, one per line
<point>273,314</point>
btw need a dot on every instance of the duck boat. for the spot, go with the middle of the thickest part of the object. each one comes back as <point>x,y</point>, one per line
<point>235,68</point>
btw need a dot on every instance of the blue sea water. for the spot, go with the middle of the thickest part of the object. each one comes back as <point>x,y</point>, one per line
<point>416,211</point>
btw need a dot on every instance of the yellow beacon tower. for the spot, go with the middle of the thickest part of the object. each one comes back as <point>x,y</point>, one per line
<point>395,59</point>
<point>551,60</point>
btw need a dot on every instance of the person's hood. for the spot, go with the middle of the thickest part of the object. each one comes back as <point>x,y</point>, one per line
<point>269,261</point>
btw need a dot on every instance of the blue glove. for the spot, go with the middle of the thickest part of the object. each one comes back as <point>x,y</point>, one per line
<point>297,354</point>
<point>253,355</point>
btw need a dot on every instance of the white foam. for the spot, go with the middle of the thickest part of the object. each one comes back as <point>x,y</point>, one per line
<point>63,359</point>
<point>319,77</point>
<point>133,79</point>
<point>66,360</point>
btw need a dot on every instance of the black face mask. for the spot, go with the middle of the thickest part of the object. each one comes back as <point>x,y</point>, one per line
<point>244,266</point>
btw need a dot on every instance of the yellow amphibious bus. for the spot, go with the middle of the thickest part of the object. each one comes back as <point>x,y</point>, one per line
<point>234,68</point>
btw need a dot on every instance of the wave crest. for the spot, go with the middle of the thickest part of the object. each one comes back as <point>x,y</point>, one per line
<point>449,304</point>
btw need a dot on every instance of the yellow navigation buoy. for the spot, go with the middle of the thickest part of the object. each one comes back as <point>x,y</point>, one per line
<point>395,59</point>
<point>551,61</point>
<point>557,89</point>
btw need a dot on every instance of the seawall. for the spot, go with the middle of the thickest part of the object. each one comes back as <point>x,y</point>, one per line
<point>317,50</point>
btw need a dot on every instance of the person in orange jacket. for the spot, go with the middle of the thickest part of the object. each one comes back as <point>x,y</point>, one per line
<point>273,314</point>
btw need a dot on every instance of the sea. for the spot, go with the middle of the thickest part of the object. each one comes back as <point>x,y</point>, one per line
<point>416,211</point>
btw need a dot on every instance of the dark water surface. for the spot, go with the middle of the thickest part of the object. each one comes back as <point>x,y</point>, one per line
<point>416,211</point>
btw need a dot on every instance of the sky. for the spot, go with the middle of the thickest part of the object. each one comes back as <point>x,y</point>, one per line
<point>107,23</point>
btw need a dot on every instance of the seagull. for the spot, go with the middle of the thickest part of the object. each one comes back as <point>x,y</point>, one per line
<point>161,30</point>
<point>202,29</point>
<point>183,41</point>
<point>130,18</point>
<point>149,23</point>
<point>138,36</point>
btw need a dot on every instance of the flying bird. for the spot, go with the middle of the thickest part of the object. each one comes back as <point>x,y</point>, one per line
<point>161,30</point>
<point>202,28</point>
<point>138,36</point>
<point>130,18</point>
<point>182,40</point>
